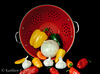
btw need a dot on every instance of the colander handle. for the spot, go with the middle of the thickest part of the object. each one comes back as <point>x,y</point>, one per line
<point>77,26</point>
<point>16,37</point>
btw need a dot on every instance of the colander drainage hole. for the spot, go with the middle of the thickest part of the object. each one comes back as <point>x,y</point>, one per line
<point>47,32</point>
<point>35,19</point>
<point>54,15</point>
<point>28,35</point>
<point>51,30</point>
<point>66,29</point>
<point>64,44</point>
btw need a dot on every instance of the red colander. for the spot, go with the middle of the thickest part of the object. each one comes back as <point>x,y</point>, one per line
<point>46,16</point>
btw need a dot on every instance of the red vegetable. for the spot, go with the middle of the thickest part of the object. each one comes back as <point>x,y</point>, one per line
<point>53,71</point>
<point>73,71</point>
<point>82,63</point>
<point>30,70</point>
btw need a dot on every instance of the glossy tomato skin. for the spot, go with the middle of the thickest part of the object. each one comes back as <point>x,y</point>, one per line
<point>30,70</point>
<point>82,63</point>
<point>53,71</point>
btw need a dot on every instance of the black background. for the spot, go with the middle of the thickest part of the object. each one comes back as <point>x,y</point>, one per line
<point>86,40</point>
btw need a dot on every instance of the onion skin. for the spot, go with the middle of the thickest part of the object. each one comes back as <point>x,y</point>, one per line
<point>60,64</point>
<point>48,62</point>
<point>49,48</point>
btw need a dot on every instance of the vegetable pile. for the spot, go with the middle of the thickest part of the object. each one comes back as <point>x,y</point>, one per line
<point>49,48</point>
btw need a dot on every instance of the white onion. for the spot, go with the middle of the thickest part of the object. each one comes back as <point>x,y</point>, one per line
<point>49,48</point>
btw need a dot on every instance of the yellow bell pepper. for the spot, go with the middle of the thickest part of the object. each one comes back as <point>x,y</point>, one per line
<point>37,38</point>
<point>36,62</point>
<point>20,61</point>
<point>61,52</point>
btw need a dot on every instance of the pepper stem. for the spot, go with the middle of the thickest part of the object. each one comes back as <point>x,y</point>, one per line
<point>70,64</point>
<point>32,58</point>
<point>48,67</point>
<point>67,70</point>
<point>46,29</point>
<point>89,61</point>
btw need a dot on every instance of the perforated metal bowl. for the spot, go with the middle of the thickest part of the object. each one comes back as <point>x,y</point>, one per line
<point>46,16</point>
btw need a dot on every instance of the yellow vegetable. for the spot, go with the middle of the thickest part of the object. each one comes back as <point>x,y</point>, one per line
<point>36,62</point>
<point>20,61</point>
<point>61,52</point>
<point>37,38</point>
